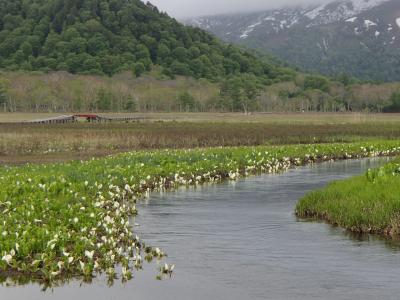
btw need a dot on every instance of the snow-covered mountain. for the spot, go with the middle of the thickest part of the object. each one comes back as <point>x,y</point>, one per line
<point>359,37</point>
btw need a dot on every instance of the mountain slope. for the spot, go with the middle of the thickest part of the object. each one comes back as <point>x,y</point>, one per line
<point>358,37</point>
<point>109,36</point>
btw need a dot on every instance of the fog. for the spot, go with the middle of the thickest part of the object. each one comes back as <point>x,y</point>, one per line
<point>190,8</point>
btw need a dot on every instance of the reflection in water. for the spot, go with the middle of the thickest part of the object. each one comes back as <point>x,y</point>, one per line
<point>360,239</point>
<point>16,280</point>
<point>390,244</point>
<point>242,241</point>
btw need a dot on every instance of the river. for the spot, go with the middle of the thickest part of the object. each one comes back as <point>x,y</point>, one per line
<point>241,240</point>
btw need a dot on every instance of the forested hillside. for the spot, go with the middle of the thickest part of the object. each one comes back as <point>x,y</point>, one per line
<point>57,55</point>
<point>110,36</point>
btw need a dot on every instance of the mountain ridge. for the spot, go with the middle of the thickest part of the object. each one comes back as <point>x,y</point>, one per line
<point>338,37</point>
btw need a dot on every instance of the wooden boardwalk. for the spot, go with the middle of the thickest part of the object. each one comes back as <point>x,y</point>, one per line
<point>93,118</point>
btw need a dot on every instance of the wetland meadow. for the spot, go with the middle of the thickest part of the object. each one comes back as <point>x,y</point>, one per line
<point>143,157</point>
<point>71,194</point>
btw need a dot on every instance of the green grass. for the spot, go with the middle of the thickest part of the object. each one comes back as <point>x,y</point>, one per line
<point>72,219</point>
<point>363,204</point>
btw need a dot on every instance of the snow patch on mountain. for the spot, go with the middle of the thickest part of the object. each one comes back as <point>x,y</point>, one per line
<point>398,22</point>
<point>369,23</point>
<point>275,21</point>
<point>362,5</point>
<point>312,14</point>
<point>352,20</point>
<point>353,16</point>
<point>207,23</point>
<point>269,18</point>
<point>249,30</point>
<point>316,34</point>
<point>340,10</point>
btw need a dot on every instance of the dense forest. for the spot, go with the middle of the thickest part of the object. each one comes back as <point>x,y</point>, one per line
<point>110,36</point>
<point>125,55</point>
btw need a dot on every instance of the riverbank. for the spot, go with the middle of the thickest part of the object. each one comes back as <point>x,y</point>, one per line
<point>363,204</point>
<point>73,218</point>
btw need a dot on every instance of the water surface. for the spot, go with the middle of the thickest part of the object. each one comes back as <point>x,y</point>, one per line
<point>241,240</point>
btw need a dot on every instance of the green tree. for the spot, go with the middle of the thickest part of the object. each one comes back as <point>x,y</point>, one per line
<point>27,49</point>
<point>394,105</point>
<point>163,54</point>
<point>241,92</point>
<point>97,44</point>
<point>110,64</point>
<point>19,56</point>
<point>78,104</point>
<point>181,54</point>
<point>151,45</point>
<point>3,96</point>
<point>8,47</point>
<point>142,52</point>
<point>92,66</point>
<point>316,82</point>
<point>194,52</point>
<point>180,68</point>
<point>344,79</point>
<point>138,69</point>
<point>131,105</point>
<point>104,102</point>
<point>75,62</point>
<point>78,45</point>
<point>186,101</point>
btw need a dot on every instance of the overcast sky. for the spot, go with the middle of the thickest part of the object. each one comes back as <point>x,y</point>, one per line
<point>189,8</point>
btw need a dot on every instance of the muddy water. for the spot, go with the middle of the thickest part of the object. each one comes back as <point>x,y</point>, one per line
<point>241,240</point>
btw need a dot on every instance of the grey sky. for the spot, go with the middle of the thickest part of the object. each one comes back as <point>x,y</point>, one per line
<point>190,8</point>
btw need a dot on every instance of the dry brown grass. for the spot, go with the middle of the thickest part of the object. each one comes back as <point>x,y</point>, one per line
<point>280,118</point>
<point>21,143</point>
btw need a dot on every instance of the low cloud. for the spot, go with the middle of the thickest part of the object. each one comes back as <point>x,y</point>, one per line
<point>191,8</point>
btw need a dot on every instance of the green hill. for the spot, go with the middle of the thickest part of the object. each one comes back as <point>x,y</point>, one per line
<point>110,36</point>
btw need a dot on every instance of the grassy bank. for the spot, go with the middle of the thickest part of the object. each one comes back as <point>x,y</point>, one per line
<point>21,143</point>
<point>73,218</point>
<point>363,204</point>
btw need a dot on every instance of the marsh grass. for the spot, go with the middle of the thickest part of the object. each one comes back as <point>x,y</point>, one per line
<point>364,204</point>
<point>257,117</point>
<point>21,143</point>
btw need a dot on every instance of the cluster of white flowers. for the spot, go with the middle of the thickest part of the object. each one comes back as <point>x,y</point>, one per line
<point>78,214</point>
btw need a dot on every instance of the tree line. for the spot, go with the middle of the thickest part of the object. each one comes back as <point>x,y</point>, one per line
<point>175,67</point>
<point>63,92</point>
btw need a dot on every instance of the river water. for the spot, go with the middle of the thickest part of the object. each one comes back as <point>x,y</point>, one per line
<point>241,240</point>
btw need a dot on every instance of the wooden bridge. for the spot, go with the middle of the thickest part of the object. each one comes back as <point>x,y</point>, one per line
<point>87,117</point>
